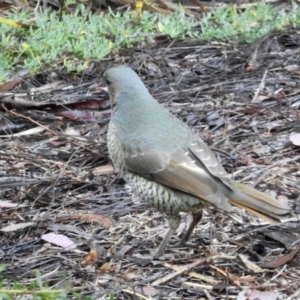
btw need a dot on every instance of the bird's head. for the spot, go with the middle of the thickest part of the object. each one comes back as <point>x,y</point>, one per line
<point>123,84</point>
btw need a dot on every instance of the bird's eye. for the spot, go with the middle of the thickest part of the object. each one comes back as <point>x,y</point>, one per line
<point>108,82</point>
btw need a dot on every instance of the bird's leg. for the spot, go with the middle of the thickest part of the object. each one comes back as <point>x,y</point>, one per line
<point>161,249</point>
<point>174,222</point>
<point>196,219</point>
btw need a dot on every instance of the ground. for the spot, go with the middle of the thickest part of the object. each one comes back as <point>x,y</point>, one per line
<point>56,176</point>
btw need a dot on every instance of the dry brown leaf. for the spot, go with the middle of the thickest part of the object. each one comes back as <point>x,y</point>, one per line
<point>281,260</point>
<point>105,268</point>
<point>221,271</point>
<point>7,86</point>
<point>107,169</point>
<point>94,219</point>
<point>243,279</point>
<point>250,265</point>
<point>91,257</point>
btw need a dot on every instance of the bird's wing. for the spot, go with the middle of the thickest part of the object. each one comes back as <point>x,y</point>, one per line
<point>209,160</point>
<point>181,170</point>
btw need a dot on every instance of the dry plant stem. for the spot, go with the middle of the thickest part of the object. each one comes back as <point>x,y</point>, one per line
<point>28,119</point>
<point>250,118</point>
<point>198,3</point>
<point>135,294</point>
<point>260,86</point>
<point>246,121</point>
<point>194,274</point>
<point>177,273</point>
<point>276,276</point>
<point>295,295</point>
<point>25,291</point>
<point>208,296</point>
<point>188,267</point>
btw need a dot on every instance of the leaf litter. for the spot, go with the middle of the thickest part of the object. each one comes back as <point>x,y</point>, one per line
<point>56,175</point>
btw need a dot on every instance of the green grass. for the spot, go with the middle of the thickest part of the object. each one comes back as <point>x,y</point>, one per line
<point>37,289</point>
<point>82,36</point>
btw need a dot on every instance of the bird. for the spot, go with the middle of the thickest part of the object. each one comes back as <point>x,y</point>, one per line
<point>167,164</point>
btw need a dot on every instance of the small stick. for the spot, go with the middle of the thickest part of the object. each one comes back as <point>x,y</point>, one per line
<point>28,119</point>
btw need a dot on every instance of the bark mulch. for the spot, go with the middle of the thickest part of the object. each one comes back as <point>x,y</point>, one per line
<point>56,177</point>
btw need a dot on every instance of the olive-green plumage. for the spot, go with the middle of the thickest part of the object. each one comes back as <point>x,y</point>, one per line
<point>166,163</point>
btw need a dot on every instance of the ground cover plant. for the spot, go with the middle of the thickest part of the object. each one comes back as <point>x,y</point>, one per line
<point>73,40</point>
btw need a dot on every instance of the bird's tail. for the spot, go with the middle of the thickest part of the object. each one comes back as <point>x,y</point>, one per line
<point>259,204</point>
